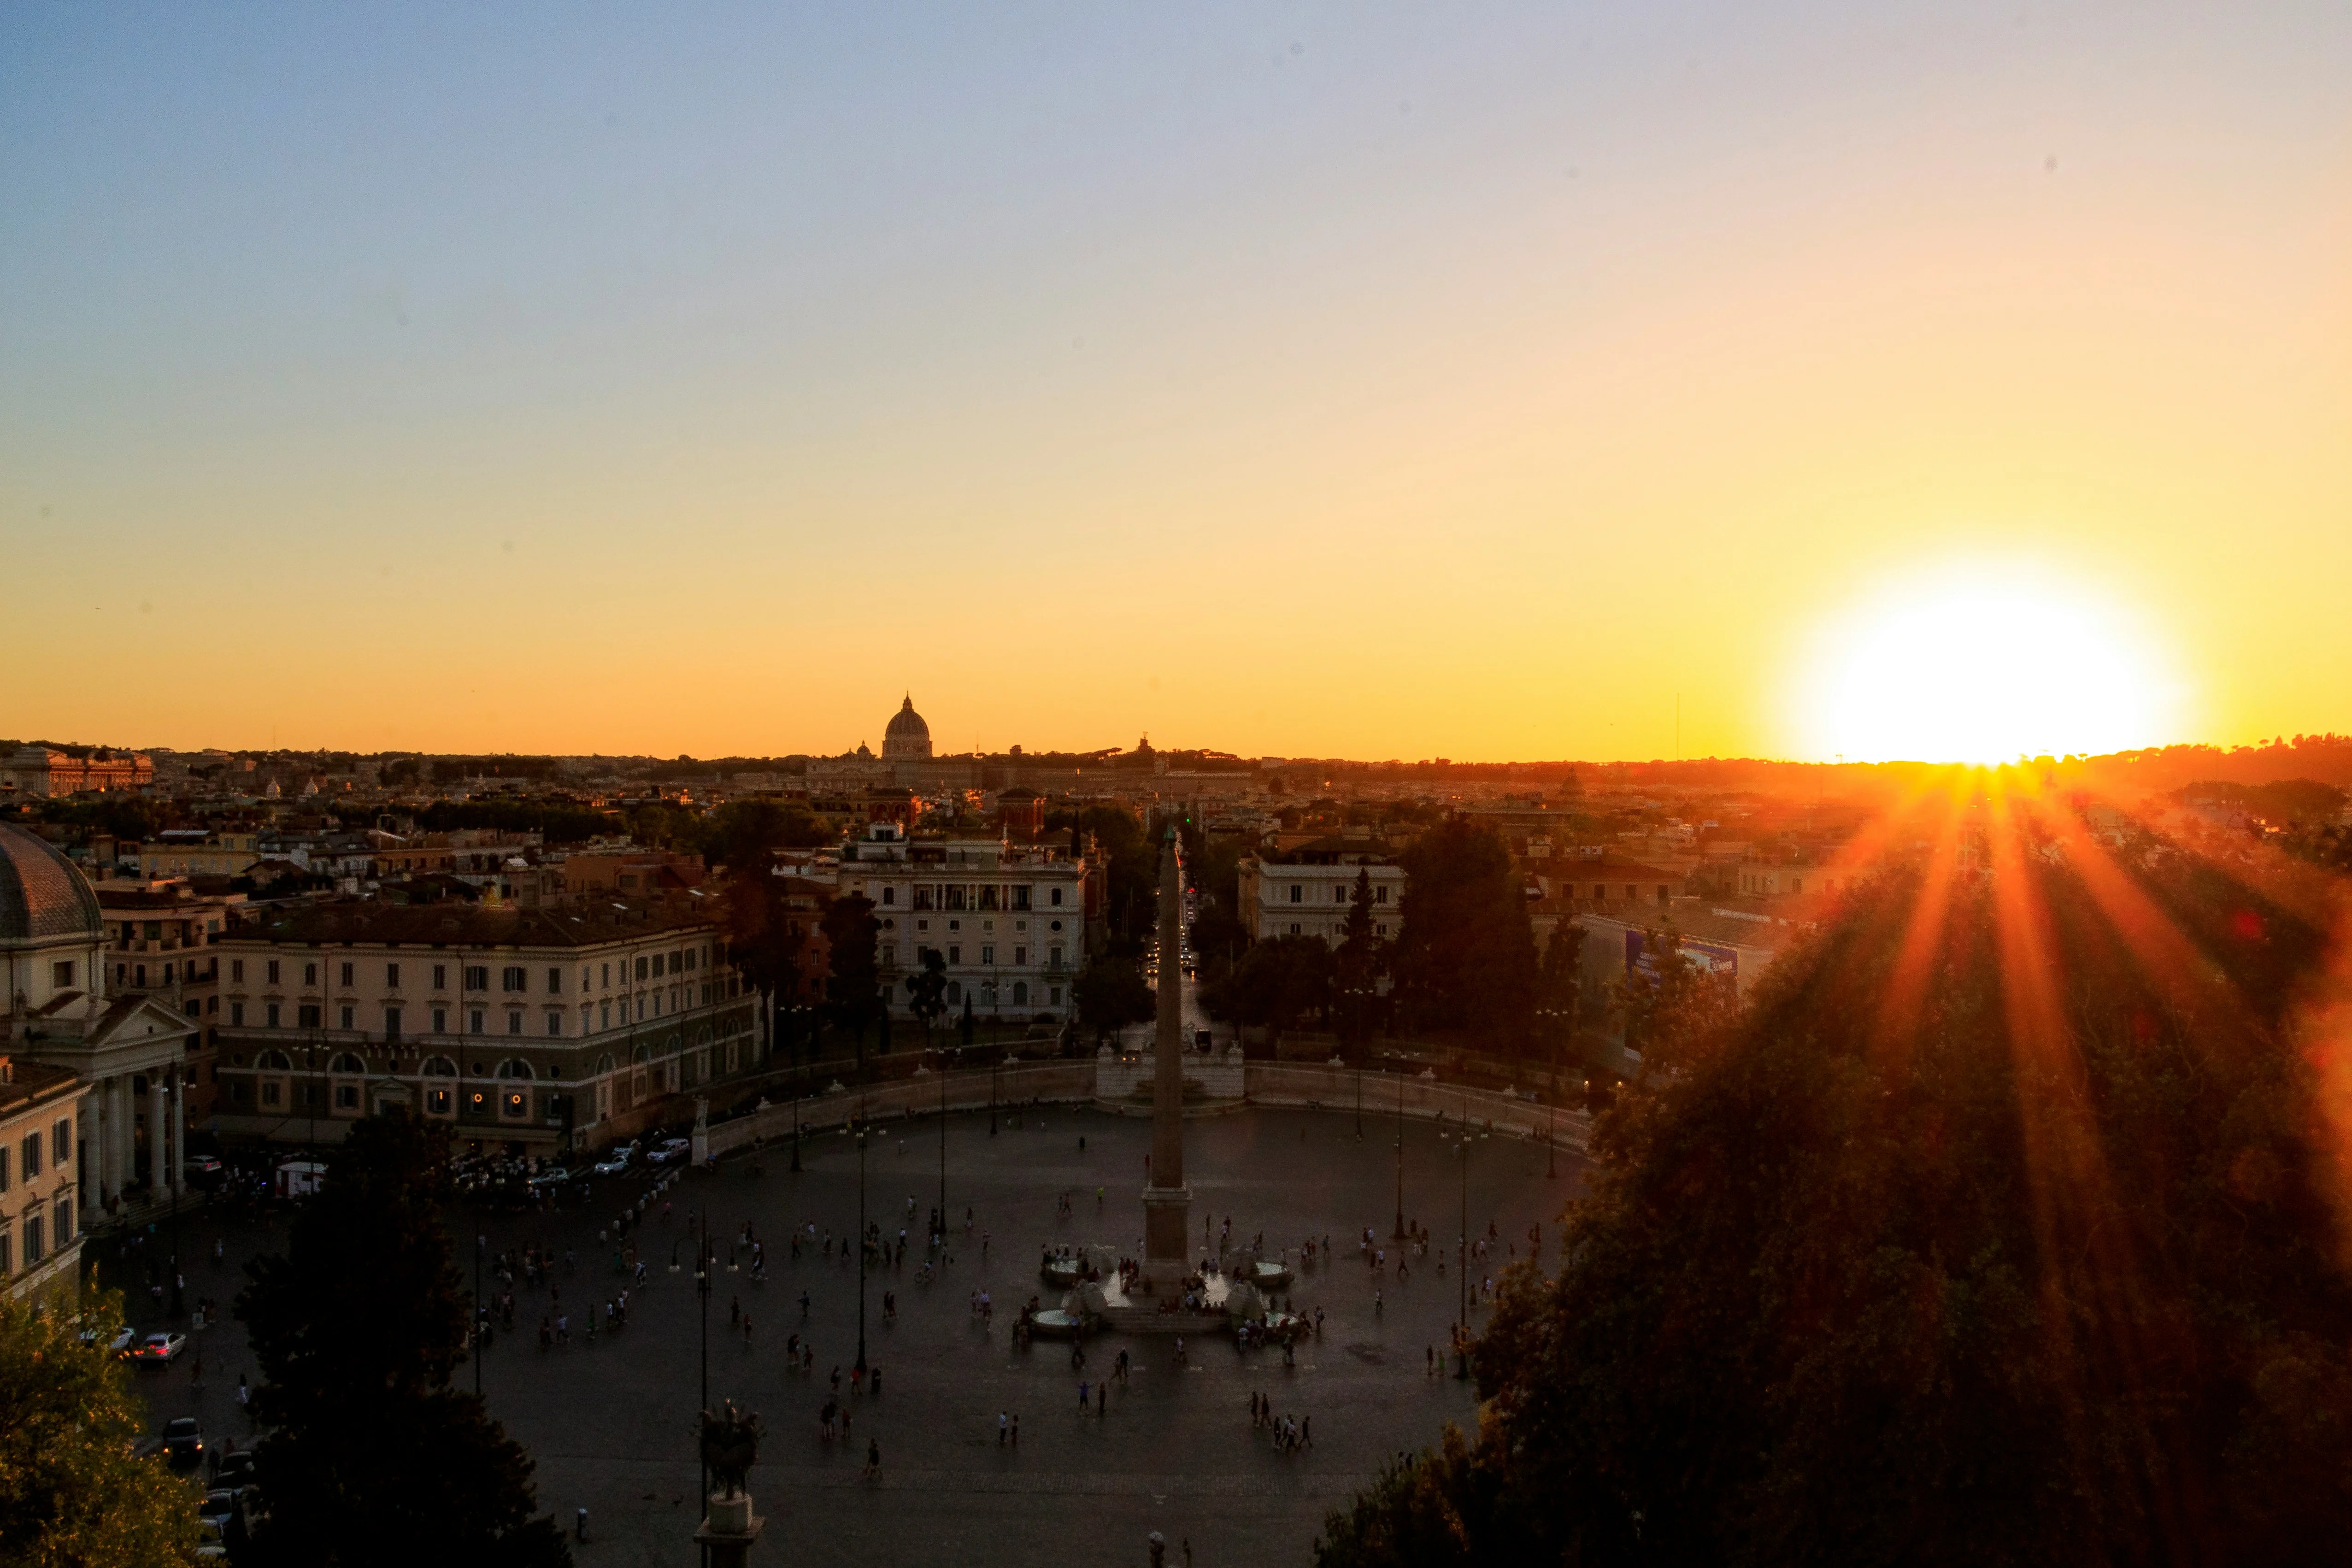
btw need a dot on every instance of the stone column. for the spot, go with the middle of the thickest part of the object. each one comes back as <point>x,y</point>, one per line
<point>179,1125</point>
<point>126,1135</point>
<point>158,1110</point>
<point>1166,1202</point>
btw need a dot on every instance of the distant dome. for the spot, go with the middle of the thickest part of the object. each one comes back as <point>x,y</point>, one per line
<point>42,893</point>
<point>907,735</point>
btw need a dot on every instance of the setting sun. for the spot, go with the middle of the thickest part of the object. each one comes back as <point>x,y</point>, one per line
<point>1983,672</point>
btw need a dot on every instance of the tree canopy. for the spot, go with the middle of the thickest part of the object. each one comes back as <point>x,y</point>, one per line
<point>1466,956</point>
<point>71,1495</point>
<point>375,1457</point>
<point>2002,1226</point>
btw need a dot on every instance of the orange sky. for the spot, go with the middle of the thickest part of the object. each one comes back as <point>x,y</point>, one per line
<point>1479,388</point>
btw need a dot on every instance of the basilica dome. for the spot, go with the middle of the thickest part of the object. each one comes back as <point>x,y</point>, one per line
<point>907,735</point>
<point>42,893</point>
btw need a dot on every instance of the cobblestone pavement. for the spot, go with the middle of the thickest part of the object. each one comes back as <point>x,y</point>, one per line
<point>610,1422</point>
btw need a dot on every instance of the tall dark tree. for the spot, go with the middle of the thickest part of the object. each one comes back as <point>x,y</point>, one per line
<point>1466,955</point>
<point>1560,991</point>
<point>1358,965</point>
<point>1279,983</point>
<point>853,987</point>
<point>373,1458</point>
<point>2003,1224</point>
<point>930,990</point>
<point>1111,992</point>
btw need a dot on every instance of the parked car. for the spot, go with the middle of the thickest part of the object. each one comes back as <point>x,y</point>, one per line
<point>212,1542</point>
<point>235,1471</point>
<point>613,1163</point>
<point>671,1151</point>
<point>160,1349</point>
<point>118,1343</point>
<point>219,1503</point>
<point>183,1443</point>
<point>553,1176</point>
<point>201,1168</point>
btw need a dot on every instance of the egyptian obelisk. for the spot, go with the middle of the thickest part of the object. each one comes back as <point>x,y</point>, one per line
<point>1167,1201</point>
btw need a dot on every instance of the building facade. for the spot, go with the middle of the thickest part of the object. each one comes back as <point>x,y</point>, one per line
<point>47,770</point>
<point>40,1233</point>
<point>1008,920</point>
<point>1281,899</point>
<point>542,1028</point>
<point>129,1052</point>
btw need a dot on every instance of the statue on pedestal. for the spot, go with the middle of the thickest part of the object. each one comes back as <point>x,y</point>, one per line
<point>731,1445</point>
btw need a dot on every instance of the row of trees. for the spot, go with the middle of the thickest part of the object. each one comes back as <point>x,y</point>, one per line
<point>2003,1224</point>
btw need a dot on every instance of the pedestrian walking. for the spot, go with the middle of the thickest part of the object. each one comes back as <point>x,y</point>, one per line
<point>873,1459</point>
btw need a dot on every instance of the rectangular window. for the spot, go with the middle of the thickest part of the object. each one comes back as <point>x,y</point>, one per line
<point>1053,995</point>
<point>348,1014</point>
<point>236,970</point>
<point>391,1023</point>
<point>309,974</point>
<point>890,894</point>
<point>4,1168</point>
<point>347,1096</point>
<point>32,1156</point>
<point>955,955</point>
<point>515,978</point>
<point>1380,894</point>
<point>272,1093</point>
<point>62,1217</point>
<point>641,968</point>
<point>61,974</point>
<point>1057,895</point>
<point>554,981</point>
<point>514,1021</point>
<point>391,977</point>
<point>347,974</point>
<point>477,976</point>
<point>603,1015</point>
<point>32,1239</point>
<point>474,1021</point>
<point>1020,954</point>
<point>554,1023</point>
<point>7,1251</point>
<point>988,955</point>
<point>273,971</point>
<point>440,1020</point>
<point>1297,893</point>
<point>236,1015</point>
<point>1021,896</point>
<point>440,976</point>
<point>273,1015</point>
<point>603,975</point>
<point>306,1015</point>
<point>585,973</point>
<point>1054,957</point>
<point>61,1140</point>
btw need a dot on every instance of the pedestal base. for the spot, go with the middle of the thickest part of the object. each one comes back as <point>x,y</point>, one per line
<point>728,1529</point>
<point>1167,1226</point>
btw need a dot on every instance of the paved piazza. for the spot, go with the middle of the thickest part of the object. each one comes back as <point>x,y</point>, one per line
<point>610,1423</point>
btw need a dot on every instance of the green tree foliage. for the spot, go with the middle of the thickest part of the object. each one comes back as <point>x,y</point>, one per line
<point>375,1457</point>
<point>1132,883</point>
<point>71,1496</point>
<point>2002,1229</point>
<point>1111,992</point>
<point>930,989</point>
<point>853,984</point>
<point>744,838</point>
<point>1358,965</point>
<point>1279,983</point>
<point>1671,1003</point>
<point>1466,956</point>
<point>746,834</point>
<point>561,824</point>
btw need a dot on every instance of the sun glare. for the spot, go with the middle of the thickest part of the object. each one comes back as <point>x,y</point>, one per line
<point>1985,672</point>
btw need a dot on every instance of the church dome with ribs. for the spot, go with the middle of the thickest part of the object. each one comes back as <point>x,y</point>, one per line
<point>42,893</point>
<point>907,735</point>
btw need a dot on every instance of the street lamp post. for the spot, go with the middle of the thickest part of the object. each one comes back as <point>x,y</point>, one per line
<point>861,1251</point>
<point>1398,1235</point>
<point>993,1067</point>
<point>1464,1263</point>
<point>944,1148</point>
<point>797,1087</point>
<point>481,1244</point>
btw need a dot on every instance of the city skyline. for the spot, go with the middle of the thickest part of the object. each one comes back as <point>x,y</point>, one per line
<point>1526,384</point>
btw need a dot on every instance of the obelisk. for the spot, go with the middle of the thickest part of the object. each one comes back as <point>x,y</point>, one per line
<point>1167,1201</point>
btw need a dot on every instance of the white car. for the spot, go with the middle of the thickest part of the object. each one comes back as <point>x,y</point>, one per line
<point>117,1344</point>
<point>160,1349</point>
<point>671,1151</point>
<point>615,1164</point>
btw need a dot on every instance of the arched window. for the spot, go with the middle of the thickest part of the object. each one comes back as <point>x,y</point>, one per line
<point>643,1053</point>
<point>274,1062</point>
<point>1019,993</point>
<point>514,1067</point>
<point>347,1065</point>
<point>440,1067</point>
<point>604,1064</point>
